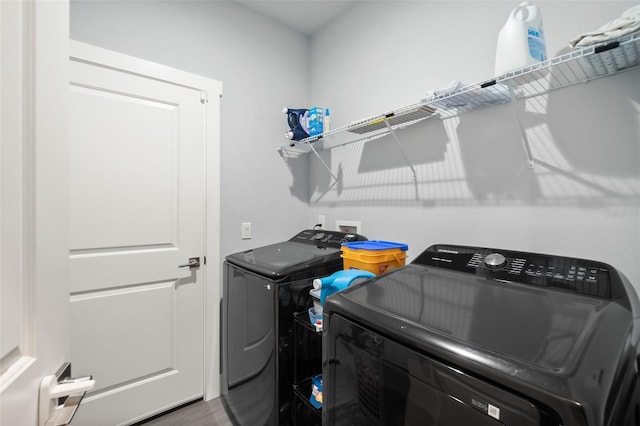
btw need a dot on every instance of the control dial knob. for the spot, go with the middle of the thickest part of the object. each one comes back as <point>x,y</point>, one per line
<point>495,261</point>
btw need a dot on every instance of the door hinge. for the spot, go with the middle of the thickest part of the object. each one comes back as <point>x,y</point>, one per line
<point>203,97</point>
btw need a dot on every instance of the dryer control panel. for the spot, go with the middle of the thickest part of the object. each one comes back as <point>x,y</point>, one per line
<point>581,276</point>
<point>324,238</point>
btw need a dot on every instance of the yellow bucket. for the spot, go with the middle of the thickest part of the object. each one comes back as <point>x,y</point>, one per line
<point>374,256</point>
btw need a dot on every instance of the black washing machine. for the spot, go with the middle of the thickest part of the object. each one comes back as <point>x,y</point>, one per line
<point>477,336</point>
<point>262,289</point>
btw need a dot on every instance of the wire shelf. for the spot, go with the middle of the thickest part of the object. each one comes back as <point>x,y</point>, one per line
<point>578,66</point>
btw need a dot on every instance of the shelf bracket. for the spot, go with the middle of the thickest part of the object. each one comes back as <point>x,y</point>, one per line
<point>523,133</point>
<point>323,163</point>
<point>404,154</point>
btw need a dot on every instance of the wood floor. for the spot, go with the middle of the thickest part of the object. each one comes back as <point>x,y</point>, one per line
<point>200,413</point>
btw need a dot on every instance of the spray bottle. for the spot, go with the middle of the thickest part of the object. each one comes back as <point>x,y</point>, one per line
<point>327,121</point>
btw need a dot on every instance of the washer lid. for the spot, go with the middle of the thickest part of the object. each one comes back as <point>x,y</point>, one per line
<point>544,339</point>
<point>542,328</point>
<point>284,258</point>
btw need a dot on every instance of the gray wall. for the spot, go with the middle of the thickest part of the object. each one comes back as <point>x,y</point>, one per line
<point>473,184</point>
<point>262,66</point>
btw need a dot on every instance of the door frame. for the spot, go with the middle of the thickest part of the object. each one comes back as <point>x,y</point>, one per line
<point>35,252</point>
<point>211,92</point>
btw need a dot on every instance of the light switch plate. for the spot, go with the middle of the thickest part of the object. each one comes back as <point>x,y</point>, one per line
<point>246,230</point>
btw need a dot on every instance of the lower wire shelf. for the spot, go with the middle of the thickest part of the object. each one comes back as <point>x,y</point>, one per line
<point>306,413</point>
<point>307,364</point>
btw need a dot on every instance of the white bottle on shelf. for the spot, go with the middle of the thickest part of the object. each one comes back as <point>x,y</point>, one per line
<point>521,40</point>
<point>327,121</point>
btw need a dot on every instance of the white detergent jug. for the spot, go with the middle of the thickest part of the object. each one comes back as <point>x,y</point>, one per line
<point>521,40</point>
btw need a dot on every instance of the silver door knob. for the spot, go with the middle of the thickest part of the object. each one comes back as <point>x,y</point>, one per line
<point>51,411</point>
<point>194,262</point>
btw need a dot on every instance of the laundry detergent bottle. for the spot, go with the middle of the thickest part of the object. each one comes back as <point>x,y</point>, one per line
<point>298,121</point>
<point>338,281</point>
<point>521,40</point>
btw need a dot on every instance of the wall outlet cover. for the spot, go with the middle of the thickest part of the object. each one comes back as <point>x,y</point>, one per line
<point>349,226</point>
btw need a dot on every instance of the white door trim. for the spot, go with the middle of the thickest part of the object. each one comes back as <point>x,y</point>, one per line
<point>212,91</point>
<point>34,207</point>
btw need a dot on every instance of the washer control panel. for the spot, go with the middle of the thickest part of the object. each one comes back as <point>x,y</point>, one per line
<point>494,261</point>
<point>577,275</point>
<point>324,238</point>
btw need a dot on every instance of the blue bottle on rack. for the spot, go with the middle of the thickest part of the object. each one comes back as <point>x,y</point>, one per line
<point>338,281</point>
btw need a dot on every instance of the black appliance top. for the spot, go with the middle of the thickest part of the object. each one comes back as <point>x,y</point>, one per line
<point>557,325</point>
<point>309,249</point>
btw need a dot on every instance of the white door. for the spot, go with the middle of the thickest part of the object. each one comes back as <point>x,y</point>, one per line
<point>137,213</point>
<point>34,202</point>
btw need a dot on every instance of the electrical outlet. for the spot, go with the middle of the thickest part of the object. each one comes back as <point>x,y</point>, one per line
<point>321,221</point>
<point>349,226</point>
<point>246,230</point>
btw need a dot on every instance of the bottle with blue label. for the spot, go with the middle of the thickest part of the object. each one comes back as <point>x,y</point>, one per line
<point>327,121</point>
<point>521,41</point>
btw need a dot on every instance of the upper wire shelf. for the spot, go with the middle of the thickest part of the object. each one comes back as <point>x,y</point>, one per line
<point>578,66</point>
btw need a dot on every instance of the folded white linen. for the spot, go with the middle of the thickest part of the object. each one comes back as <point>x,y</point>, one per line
<point>627,23</point>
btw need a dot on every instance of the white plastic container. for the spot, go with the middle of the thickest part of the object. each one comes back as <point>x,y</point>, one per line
<point>327,121</point>
<point>315,296</point>
<point>521,40</point>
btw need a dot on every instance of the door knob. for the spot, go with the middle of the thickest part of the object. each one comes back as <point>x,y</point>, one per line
<point>52,414</point>
<point>194,262</point>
